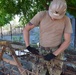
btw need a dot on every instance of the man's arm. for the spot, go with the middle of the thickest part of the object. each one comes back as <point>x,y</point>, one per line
<point>26,35</point>
<point>64,45</point>
<point>26,30</point>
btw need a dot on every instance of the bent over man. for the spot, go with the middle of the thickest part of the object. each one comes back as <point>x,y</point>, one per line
<point>54,25</point>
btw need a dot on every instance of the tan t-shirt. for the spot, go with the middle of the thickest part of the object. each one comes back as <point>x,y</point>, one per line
<point>51,31</point>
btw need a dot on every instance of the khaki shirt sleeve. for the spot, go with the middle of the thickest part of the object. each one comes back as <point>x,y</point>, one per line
<point>36,19</point>
<point>68,26</point>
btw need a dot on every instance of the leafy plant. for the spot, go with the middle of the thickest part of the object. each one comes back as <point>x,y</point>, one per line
<point>27,9</point>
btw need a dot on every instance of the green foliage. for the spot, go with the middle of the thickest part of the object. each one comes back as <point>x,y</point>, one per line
<point>4,19</point>
<point>27,9</point>
<point>71,7</point>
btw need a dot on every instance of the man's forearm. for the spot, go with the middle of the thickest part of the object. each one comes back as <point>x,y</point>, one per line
<point>26,37</point>
<point>63,47</point>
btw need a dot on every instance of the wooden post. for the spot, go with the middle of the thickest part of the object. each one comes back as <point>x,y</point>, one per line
<point>1,53</point>
<point>11,31</point>
<point>1,33</point>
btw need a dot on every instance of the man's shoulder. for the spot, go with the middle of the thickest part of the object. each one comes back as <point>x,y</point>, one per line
<point>66,17</point>
<point>42,12</point>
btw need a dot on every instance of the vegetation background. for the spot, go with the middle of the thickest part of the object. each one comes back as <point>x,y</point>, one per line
<point>26,9</point>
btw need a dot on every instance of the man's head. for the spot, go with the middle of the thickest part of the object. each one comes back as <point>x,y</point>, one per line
<point>57,9</point>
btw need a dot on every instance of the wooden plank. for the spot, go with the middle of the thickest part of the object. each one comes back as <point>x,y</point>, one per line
<point>2,52</point>
<point>4,43</point>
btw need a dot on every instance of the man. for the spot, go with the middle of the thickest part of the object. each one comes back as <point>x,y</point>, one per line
<point>54,25</point>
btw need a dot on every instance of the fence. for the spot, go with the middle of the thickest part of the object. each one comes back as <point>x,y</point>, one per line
<point>13,31</point>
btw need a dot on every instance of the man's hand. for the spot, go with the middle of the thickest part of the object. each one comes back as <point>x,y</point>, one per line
<point>49,56</point>
<point>33,50</point>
